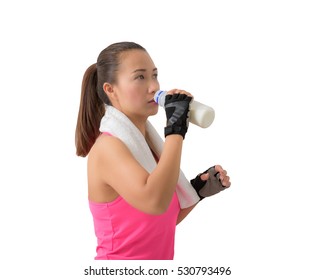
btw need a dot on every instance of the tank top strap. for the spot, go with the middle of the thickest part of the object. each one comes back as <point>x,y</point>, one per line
<point>107,133</point>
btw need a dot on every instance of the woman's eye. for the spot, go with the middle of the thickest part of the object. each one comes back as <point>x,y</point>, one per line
<point>155,76</point>
<point>141,77</point>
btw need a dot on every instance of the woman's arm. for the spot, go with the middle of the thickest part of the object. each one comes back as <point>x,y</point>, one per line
<point>148,192</point>
<point>225,183</point>
<point>184,212</point>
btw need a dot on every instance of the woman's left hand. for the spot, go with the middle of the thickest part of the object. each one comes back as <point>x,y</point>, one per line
<point>223,177</point>
<point>210,182</point>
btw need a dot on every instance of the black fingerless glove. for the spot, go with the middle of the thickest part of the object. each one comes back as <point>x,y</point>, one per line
<point>177,112</point>
<point>209,187</point>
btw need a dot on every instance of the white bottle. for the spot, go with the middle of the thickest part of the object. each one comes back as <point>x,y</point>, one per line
<point>200,114</point>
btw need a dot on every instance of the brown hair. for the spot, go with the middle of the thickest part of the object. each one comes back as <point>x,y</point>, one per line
<point>93,97</point>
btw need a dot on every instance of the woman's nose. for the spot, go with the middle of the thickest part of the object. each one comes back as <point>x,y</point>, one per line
<point>154,86</point>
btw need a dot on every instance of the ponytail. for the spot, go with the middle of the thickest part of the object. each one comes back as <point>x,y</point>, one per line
<point>91,110</point>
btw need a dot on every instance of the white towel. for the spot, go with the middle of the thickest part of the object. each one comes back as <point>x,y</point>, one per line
<point>119,125</point>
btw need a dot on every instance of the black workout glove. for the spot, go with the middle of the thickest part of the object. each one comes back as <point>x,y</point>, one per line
<point>177,112</point>
<point>209,187</point>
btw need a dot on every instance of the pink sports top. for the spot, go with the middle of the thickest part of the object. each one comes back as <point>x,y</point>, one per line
<point>125,233</point>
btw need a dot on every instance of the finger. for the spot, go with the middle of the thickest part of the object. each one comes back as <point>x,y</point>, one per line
<point>172,91</point>
<point>219,169</point>
<point>204,177</point>
<point>226,181</point>
<point>179,91</point>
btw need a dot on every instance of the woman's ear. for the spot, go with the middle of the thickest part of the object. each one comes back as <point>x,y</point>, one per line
<point>108,89</point>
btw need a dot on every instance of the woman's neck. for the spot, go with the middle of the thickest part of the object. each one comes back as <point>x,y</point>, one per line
<point>140,124</point>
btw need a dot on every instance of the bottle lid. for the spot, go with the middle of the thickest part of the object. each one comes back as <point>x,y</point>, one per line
<point>157,96</point>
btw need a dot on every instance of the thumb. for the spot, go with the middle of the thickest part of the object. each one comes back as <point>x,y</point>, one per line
<point>204,177</point>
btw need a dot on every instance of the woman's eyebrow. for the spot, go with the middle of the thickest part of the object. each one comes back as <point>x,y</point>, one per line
<point>143,70</point>
<point>139,70</point>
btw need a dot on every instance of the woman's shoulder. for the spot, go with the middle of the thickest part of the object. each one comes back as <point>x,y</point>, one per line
<point>107,145</point>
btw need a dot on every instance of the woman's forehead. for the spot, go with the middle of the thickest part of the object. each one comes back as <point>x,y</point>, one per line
<point>136,59</point>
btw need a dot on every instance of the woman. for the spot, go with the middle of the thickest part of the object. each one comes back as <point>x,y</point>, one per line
<point>135,207</point>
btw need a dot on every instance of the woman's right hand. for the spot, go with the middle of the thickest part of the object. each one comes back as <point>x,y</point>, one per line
<point>177,107</point>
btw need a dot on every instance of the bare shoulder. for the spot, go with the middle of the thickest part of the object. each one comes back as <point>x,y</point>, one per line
<point>107,146</point>
<point>102,164</point>
<point>112,168</point>
<point>107,154</point>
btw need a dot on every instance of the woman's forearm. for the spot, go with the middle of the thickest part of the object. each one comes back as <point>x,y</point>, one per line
<point>166,174</point>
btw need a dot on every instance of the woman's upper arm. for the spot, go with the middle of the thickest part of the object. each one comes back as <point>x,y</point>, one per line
<point>124,174</point>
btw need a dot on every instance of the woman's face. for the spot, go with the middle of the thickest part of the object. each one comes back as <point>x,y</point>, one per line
<point>136,85</point>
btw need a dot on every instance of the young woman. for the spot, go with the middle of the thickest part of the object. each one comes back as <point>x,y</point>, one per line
<point>135,207</point>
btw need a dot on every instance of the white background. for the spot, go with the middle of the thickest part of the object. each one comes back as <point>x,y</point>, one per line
<point>252,61</point>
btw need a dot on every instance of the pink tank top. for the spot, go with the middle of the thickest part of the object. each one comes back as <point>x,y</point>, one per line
<point>125,233</point>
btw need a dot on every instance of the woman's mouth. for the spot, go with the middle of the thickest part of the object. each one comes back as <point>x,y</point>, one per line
<point>151,101</point>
